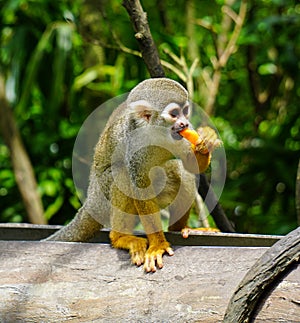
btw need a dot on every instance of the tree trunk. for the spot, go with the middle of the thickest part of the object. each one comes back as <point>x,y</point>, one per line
<point>20,161</point>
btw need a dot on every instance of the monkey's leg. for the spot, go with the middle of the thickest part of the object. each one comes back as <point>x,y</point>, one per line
<point>123,222</point>
<point>82,228</point>
<point>158,245</point>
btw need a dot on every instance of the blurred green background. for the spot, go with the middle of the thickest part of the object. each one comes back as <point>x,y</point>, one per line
<point>61,59</point>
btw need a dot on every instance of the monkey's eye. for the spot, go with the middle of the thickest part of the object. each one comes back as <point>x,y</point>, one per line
<point>174,113</point>
<point>186,111</point>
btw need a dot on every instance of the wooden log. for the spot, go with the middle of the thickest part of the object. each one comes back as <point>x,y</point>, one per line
<point>89,282</point>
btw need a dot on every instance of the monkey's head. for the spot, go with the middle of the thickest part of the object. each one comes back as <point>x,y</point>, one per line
<point>161,102</point>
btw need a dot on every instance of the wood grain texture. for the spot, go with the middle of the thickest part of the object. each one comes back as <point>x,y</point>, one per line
<point>74,282</point>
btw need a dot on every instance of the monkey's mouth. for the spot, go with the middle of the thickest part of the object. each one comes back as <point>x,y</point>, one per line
<point>175,133</point>
<point>176,136</point>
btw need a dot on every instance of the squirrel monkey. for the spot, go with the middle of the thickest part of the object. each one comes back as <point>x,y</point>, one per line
<point>142,165</point>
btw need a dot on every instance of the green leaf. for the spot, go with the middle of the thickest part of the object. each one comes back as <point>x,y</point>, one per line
<point>267,69</point>
<point>54,207</point>
<point>34,64</point>
<point>48,188</point>
<point>63,46</point>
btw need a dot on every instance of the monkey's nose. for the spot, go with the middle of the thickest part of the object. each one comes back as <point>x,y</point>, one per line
<point>179,126</point>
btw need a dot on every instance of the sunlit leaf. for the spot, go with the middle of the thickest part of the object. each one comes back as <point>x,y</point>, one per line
<point>54,207</point>
<point>268,68</point>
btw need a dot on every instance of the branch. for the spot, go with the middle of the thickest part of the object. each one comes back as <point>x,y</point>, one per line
<point>143,35</point>
<point>175,70</point>
<point>224,49</point>
<point>187,75</point>
<point>266,270</point>
<point>239,20</point>
<point>199,207</point>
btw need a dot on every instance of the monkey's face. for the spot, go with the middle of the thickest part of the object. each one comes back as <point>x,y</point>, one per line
<point>176,117</point>
<point>160,102</point>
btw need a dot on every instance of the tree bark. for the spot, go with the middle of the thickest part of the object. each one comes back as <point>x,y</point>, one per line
<point>263,273</point>
<point>22,167</point>
<point>143,35</point>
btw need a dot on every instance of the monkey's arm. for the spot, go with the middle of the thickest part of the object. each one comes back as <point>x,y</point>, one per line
<point>202,148</point>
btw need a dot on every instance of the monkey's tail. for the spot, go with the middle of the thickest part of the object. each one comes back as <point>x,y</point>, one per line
<point>82,228</point>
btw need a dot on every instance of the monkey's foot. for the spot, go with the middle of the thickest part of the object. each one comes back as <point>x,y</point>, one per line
<point>153,256</point>
<point>137,250</point>
<point>187,231</point>
<point>137,246</point>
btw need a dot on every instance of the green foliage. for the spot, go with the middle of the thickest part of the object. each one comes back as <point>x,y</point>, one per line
<point>63,59</point>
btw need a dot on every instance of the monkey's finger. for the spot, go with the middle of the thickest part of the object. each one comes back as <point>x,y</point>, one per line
<point>207,134</point>
<point>201,147</point>
<point>159,261</point>
<point>185,232</point>
<point>218,143</point>
<point>206,145</point>
<point>211,145</point>
<point>159,256</point>
<point>149,265</point>
<point>170,251</point>
<point>137,258</point>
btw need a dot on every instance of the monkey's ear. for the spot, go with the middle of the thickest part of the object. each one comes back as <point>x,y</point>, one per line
<point>142,109</point>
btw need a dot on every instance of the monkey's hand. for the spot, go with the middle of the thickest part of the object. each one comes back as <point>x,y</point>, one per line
<point>157,248</point>
<point>201,149</point>
<point>137,246</point>
<point>208,140</point>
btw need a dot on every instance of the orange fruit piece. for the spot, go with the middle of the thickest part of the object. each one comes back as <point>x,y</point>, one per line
<point>190,134</point>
